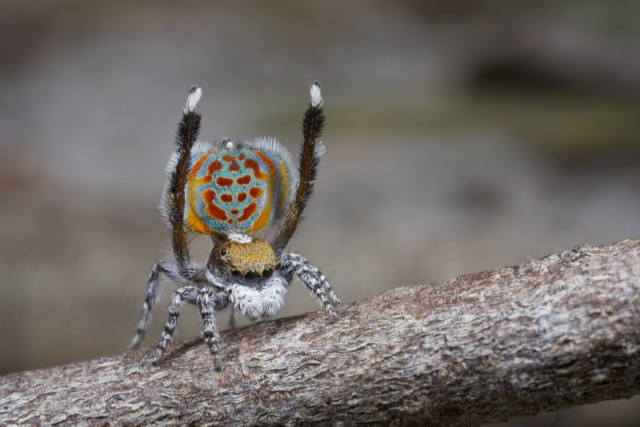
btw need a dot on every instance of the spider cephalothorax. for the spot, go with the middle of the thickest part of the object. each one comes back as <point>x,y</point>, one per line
<point>231,191</point>
<point>250,258</point>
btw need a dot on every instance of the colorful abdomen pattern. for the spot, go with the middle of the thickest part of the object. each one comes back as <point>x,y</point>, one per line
<point>236,189</point>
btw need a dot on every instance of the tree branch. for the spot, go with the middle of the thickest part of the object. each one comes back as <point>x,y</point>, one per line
<point>544,335</point>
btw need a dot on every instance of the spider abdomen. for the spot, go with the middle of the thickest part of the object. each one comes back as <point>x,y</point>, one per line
<point>238,188</point>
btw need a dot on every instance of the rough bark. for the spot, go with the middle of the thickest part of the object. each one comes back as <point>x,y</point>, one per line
<point>544,335</point>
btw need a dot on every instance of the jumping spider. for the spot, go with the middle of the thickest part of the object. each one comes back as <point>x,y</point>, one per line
<point>230,192</point>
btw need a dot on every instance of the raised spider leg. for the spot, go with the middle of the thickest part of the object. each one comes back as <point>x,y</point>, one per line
<point>187,134</point>
<point>314,280</point>
<point>181,270</point>
<point>153,295</point>
<point>312,151</point>
<point>185,293</point>
<point>209,301</point>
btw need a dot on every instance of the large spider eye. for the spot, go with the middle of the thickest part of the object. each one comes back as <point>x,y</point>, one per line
<point>268,272</point>
<point>223,251</point>
<point>251,274</point>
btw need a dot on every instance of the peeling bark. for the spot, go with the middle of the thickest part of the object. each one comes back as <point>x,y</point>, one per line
<point>541,336</point>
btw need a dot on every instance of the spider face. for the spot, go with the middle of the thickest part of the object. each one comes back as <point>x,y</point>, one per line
<point>249,258</point>
<point>231,191</point>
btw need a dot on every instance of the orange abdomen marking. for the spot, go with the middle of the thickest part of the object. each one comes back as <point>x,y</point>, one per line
<point>244,180</point>
<point>224,182</point>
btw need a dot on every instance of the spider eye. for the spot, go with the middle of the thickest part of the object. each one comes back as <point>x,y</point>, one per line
<point>235,273</point>
<point>223,251</point>
<point>251,274</point>
<point>268,272</point>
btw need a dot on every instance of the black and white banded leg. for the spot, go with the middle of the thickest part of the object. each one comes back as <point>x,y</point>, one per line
<point>153,295</point>
<point>315,281</point>
<point>209,301</point>
<point>184,294</point>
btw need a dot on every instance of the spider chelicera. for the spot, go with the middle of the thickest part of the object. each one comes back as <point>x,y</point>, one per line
<point>231,191</point>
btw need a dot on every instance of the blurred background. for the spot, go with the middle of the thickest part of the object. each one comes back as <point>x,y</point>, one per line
<point>461,137</point>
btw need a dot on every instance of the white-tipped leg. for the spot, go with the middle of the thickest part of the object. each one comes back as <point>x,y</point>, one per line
<point>208,303</point>
<point>192,99</point>
<point>316,95</point>
<point>185,293</point>
<point>314,280</point>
